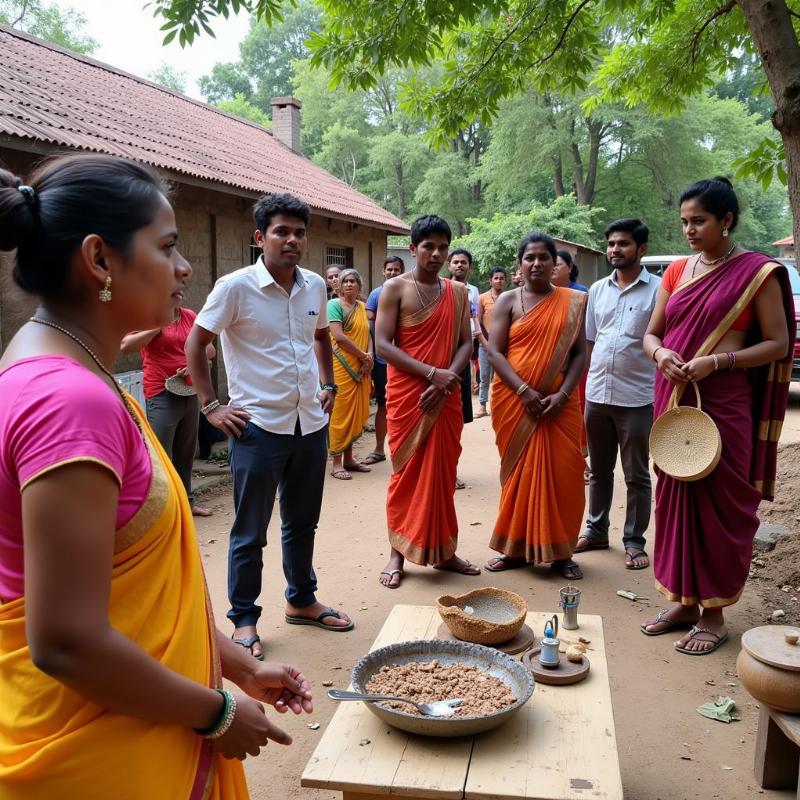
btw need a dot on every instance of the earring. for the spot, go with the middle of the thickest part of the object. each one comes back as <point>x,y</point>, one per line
<point>105,293</point>
<point>724,233</point>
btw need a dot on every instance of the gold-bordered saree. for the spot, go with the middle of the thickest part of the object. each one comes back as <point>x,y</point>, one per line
<point>705,528</point>
<point>541,462</point>
<point>420,511</point>
<point>56,744</point>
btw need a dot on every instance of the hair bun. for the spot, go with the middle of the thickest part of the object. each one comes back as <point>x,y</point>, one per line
<point>723,179</point>
<point>16,214</point>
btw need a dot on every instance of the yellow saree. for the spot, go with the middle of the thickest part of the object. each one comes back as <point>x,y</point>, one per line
<point>55,743</point>
<point>351,409</point>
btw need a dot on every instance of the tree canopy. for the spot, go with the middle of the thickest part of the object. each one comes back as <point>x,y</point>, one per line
<point>62,26</point>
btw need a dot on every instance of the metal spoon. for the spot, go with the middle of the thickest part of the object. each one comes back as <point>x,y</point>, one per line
<point>439,708</point>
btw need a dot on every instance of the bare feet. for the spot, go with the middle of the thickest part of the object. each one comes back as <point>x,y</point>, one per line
<point>709,633</point>
<point>459,565</point>
<point>316,611</point>
<point>674,616</point>
<point>200,511</point>
<point>392,573</point>
<point>246,636</point>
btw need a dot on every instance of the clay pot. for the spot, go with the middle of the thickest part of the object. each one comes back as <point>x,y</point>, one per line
<point>494,615</point>
<point>777,688</point>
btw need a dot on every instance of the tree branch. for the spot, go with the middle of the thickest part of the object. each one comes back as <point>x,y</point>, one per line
<point>719,12</point>
<point>564,33</point>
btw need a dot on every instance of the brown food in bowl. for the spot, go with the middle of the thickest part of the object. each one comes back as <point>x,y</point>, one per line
<point>427,681</point>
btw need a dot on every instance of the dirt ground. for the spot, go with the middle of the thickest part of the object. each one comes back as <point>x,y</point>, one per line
<point>666,750</point>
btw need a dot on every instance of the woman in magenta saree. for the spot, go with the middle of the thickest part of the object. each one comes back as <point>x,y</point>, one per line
<point>724,319</point>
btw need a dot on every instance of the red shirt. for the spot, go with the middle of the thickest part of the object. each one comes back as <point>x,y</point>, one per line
<point>164,356</point>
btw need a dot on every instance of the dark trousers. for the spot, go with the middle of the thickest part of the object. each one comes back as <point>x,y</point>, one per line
<point>263,463</point>
<point>609,428</point>
<point>174,422</point>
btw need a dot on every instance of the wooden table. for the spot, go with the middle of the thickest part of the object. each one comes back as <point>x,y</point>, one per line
<point>778,750</point>
<point>560,746</point>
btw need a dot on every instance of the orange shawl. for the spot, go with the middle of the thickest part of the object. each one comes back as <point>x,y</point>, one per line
<point>425,447</point>
<point>541,465</point>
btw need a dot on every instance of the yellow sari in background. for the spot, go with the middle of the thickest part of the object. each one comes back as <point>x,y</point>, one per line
<point>351,409</point>
<point>54,742</point>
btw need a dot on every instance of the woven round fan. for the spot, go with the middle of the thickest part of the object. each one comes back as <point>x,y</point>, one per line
<point>177,385</point>
<point>684,441</point>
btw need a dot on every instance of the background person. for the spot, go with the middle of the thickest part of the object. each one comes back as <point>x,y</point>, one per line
<point>724,320</point>
<point>110,657</point>
<point>332,272</point>
<point>619,391</point>
<point>486,303</point>
<point>538,349</point>
<point>392,267</point>
<point>565,273</point>
<point>280,381</point>
<point>352,367</point>
<point>174,418</point>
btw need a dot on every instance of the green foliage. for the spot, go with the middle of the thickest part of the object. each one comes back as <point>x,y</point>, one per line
<point>446,190</point>
<point>764,162</point>
<point>225,82</point>
<point>169,77</point>
<point>493,242</point>
<point>343,152</point>
<point>240,106</point>
<point>61,26</point>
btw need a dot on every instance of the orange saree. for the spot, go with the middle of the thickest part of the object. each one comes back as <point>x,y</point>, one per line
<point>425,448</point>
<point>541,463</point>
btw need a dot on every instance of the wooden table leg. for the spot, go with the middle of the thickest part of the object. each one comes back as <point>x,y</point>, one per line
<point>777,757</point>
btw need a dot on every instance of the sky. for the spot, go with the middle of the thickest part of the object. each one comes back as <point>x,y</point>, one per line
<point>130,40</point>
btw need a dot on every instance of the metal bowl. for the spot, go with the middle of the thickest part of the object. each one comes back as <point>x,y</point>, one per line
<point>518,679</point>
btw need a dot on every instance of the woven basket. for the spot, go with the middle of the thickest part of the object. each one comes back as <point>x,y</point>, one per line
<point>684,441</point>
<point>497,615</point>
<point>176,384</point>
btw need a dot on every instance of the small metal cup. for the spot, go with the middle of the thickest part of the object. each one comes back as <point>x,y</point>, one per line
<point>570,597</point>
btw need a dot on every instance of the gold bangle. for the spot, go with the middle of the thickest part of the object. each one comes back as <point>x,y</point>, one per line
<point>522,388</point>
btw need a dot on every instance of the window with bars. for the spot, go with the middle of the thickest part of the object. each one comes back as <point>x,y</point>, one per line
<point>335,254</point>
<point>255,252</point>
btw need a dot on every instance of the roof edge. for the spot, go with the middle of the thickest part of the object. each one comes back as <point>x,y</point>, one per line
<point>93,62</point>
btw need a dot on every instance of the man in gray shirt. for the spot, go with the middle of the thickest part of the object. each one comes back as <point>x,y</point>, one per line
<point>619,390</point>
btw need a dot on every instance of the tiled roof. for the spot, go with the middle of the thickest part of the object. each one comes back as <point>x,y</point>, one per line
<point>48,94</point>
<point>787,240</point>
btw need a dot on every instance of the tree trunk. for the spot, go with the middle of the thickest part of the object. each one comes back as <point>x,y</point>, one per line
<point>771,26</point>
<point>558,175</point>
<point>401,191</point>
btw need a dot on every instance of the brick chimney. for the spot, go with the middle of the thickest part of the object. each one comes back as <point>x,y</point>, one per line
<point>286,121</point>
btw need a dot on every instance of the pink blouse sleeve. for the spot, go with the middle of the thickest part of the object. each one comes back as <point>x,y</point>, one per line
<point>68,415</point>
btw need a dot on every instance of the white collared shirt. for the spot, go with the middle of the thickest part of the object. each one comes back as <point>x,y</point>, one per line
<point>620,373</point>
<point>267,339</point>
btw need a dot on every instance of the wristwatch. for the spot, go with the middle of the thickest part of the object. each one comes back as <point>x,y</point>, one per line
<point>330,387</point>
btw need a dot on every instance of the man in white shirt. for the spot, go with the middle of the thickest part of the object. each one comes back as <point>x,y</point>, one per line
<point>272,321</point>
<point>619,390</point>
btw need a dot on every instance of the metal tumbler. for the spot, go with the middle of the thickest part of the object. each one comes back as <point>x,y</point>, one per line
<point>570,596</point>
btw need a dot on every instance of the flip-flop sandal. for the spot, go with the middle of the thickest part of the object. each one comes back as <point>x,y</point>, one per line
<point>341,475</point>
<point>631,553</point>
<point>248,643</point>
<point>569,567</point>
<point>659,620</point>
<point>587,542</point>
<point>503,563</point>
<point>373,458</point>
<point>694,631</point>
<point>318,623</point>
<point>391,573</point>
<point>357,467</point>
<point>463,571</point>
<point>460,484</point>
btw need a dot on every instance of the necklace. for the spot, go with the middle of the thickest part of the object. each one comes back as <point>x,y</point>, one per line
<point>97,361</point>
<point>423,303</point>
<point>522,301</point>
<point>714,262</point>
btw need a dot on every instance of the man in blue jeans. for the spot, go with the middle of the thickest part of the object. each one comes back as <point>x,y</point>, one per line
<point>272,321</point>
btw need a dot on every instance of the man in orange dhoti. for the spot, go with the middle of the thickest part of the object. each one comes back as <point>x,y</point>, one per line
<point>422,331</point>
<point>537,349</point>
